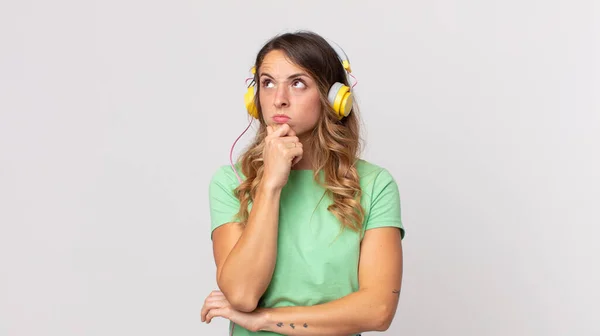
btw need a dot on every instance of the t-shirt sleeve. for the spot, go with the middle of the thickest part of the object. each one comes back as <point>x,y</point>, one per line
<point>384,209</point>
<point>222,201</point>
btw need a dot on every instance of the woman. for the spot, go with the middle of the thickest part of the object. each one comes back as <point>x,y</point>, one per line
<point>308,241</point>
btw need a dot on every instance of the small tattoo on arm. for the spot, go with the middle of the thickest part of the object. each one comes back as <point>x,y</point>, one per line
<point>280,324</point>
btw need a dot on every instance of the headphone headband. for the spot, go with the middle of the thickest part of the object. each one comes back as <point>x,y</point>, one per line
<point>341,55</point>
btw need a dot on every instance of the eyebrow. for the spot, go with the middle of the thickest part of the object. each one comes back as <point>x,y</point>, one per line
<point>300,74</point>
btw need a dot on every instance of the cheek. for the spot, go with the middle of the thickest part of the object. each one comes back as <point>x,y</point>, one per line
<point>265,101</point>
<point>312,106</point>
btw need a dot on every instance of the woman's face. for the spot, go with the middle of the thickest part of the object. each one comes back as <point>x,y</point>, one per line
<point>288,94</point>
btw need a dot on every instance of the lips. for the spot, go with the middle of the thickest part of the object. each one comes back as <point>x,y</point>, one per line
<point>280,118</point>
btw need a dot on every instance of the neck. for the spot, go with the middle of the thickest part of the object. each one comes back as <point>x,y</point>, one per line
<point>302,165</point>
<point>306,162</point>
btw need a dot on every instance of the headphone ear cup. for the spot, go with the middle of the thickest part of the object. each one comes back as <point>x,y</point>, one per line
<point>249,102</point>
<point>341,99</point>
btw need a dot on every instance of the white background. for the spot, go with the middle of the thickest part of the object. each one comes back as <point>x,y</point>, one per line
<point>114,114</point>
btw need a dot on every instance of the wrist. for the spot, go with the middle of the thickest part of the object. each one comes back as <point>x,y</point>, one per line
<point>266,186</point>
<point>264,319</point>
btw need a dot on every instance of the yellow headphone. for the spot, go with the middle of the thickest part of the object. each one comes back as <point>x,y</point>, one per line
<point>339,95</point>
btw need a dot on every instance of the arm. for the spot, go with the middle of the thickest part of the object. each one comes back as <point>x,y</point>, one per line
<point>245,257</point>
<point>371,308</point>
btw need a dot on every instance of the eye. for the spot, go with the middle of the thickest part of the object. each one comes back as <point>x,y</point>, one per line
<point>267,83</point>
<point>298,84</point>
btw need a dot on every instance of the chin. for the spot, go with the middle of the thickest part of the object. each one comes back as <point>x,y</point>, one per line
<point>302,132</point>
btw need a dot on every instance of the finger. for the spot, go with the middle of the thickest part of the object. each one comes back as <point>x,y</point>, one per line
<point>292,144</point>
<point>292,153</point>
<point>281,130</point>
<point>218,312</point>
<point>296,160</point>
<point>209,316</point>
<point>289,139</point>
<point>214,303</point>
<point>286,145</point>
<point>214,299</point>
<point>288,142</point>
<point>203,313</point>
<point>205,309</point>
<point>216,292</point>
<point>289,131</point>
<point>212,296</point>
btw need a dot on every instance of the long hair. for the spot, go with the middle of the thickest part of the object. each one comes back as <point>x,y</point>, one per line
<point>334,144</point>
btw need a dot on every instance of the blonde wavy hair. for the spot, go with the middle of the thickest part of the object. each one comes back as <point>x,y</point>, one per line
<point>334,144</point>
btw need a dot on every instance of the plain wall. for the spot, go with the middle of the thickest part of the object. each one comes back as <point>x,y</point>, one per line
<point>114,115</point>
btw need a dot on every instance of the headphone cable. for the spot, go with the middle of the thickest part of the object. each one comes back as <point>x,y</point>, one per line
<point>231,151</point>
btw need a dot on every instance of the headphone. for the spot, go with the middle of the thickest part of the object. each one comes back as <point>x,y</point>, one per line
<point>339,95</point>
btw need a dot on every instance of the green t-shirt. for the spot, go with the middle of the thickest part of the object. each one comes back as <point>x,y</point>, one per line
<point>315,263</point>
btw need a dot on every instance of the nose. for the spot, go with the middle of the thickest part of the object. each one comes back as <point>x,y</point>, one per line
<point>281,97</point>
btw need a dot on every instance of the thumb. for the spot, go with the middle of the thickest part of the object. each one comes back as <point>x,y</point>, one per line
<point>291,132</point>
<point>281,130</point>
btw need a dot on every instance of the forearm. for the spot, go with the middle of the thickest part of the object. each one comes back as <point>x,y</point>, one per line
<point>355,313</point>
<point>247,271</point>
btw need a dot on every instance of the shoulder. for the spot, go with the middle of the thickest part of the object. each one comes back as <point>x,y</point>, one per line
<point>225,177</point>
<point>223,203</point>
<point>373,176</point>
<point>381,197</point>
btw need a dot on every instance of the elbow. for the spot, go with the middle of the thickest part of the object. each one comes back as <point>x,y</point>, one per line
<point>384,317</point>
<point>243,304</point>
<point>241,301</point>
<point>239,298</point>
